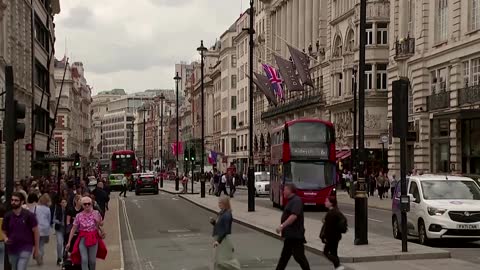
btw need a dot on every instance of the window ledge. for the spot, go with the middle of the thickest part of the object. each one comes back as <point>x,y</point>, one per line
<point>471,32</point>
<point>440,43</point>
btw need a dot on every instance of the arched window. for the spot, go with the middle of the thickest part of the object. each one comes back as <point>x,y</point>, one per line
<point>337,47</point>
<point>350,41</point>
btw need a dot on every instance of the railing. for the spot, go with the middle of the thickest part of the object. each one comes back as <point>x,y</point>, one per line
<point>404,48</point>
<point>469,94</point>
<point>438,101</point>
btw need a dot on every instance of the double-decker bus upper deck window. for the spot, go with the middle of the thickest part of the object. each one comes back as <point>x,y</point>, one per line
<point>308,132</point>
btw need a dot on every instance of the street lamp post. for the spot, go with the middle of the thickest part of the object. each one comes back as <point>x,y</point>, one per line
<point>177,80</point>
<point>162,98</point>
<point>144,111</point>
<point>361,200</point>
<point>202,50</point>
<point>251,173</point>
<point>355,112</point>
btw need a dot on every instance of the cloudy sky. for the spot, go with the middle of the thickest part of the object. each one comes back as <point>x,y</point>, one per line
<point>135,44</point>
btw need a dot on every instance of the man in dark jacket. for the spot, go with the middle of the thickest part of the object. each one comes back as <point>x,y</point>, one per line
<point>101,197</point>
<point>331,232</point>
<point>293,230</point>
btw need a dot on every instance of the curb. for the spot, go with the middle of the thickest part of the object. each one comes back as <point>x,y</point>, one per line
<point>344,259</point>
<point>176,192</point>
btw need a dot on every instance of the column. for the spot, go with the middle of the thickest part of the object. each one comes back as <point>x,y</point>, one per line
<point>274,29</point>
<point>308,23</point>
<point>301,24</point>
<point>315,22</point>
<point>374,34</point>
<point>284,29</point>
<point>295,23</point>
<point>403,18</point>
<point>374,77</point>
<point>289,21</point>
<point>279,31</point>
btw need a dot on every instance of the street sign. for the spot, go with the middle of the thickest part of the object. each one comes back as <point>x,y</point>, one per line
<point>384,138</point>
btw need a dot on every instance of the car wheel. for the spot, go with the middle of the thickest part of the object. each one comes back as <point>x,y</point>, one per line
<point>396,228</point>
<point>422,233</point>
<point>156,191</point>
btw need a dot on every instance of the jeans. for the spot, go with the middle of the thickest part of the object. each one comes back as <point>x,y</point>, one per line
<point>20,261</point>
<point>331,252</point>
<point>296,248</point>
<point>88,255</point>
<point>60,243</point>
<point>41,244</point>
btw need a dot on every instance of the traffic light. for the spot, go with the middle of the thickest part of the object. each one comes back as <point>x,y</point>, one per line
<point>186,155</point>
<point>192,154</point>
<point>19,114</point>
<point>76,161</point>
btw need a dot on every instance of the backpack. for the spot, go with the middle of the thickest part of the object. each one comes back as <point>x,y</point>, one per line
<point>343,224</point>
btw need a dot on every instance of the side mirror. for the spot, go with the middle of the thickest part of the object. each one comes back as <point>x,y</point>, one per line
<point>412,198</point>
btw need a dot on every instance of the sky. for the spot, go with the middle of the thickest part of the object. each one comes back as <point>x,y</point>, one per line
<point>134,45</point>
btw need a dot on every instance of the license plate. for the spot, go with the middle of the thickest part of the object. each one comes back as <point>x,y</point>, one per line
<point>310,203</point>
<point>467,227</point>
<point>147,186</point>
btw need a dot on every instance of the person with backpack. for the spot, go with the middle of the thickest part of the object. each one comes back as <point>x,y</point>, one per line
<point>334,225</point>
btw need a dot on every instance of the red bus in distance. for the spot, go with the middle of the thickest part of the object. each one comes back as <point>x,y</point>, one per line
<point>123,161</point>
<point>303,153</point>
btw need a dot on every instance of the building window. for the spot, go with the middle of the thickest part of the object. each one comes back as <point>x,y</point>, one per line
<point>41,75</point>
<point>41,34</point>
<point>368,77</point>
<point>57,147</point>
<point>234,60</point>
<point>233,81</point>
<point>440,145</point>
<point>350,41</point>
<point>471,72</point>
<point>369,34</point>
<point>233,103</point>
<point>337,49</point>
<point>234,122</point>
<point>441,21</point>
<point>475,15</point>
<point>411,18</point>
<point>339,84</point>
<point>381,76</point>
<point>382,34</point>
<point>439,80</point>
<point>234,145</point>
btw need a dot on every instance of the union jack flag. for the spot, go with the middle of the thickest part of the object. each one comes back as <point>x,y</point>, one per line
<point>275,80</point>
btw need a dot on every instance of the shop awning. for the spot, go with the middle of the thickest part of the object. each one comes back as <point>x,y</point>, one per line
<point>343,154</point>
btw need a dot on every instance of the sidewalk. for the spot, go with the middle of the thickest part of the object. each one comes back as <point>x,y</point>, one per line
<point>373,202</point>
<point>169,186</point>
<point>380,248</point>
<point>112,240</point>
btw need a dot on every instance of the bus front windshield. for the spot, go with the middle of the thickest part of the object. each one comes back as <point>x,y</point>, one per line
<point>310,175</point>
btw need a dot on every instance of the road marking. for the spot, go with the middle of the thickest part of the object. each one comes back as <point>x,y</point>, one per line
<point>149,265</point>
<point>174,198</point>
<point>372,219</point>
<point>135,201</point>
<point>131,238</point>
<point>122,260</point>
<point>179,231</point>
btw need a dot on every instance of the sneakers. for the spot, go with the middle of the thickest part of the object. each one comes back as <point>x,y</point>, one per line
<point>341,267</point>
<point>59,261</point>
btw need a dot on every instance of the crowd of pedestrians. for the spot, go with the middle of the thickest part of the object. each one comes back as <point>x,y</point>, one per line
<point>67,209</point>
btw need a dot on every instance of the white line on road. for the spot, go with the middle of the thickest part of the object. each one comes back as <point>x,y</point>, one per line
<point>122,260</point>
<point>131,238</point>
<point>136,203</point>
<point>372,219</point>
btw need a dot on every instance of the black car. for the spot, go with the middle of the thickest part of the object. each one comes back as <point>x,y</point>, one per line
<point>146,183</point>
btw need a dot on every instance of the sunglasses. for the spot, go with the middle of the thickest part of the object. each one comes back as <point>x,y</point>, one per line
<point>87,204</point>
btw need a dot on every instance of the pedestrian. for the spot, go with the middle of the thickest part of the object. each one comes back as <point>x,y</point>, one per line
<point>216,181</point>
<point>222,229</point>
<point>89,245</point>
<point>102,198</point>
<point>2,238</point>
<point>17,226</point>
<point>381,185</point>
<point>292,230</point>
<point>184,183</point>
<point>393,185</point>
<point>59,220</point>
<point>211,190</point>
<point>334,225</point>
<point>43,214</point>
<point>222,186</point>
<point>124,187</point>
<point>231,183</point>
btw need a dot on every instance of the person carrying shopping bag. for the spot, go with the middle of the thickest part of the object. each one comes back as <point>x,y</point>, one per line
<point>222,229</point>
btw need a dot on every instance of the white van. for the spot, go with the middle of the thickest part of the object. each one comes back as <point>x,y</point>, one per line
<point>441,206</point>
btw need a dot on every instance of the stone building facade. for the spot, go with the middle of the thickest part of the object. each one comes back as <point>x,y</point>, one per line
<point>437,50</point>
<point>33,67</point>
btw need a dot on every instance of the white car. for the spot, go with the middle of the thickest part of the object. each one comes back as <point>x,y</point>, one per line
<point>440,207</point>
<point>262,183</point>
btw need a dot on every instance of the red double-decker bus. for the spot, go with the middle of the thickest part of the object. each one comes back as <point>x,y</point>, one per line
<point>123,161</point>
<point>303,153</point>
